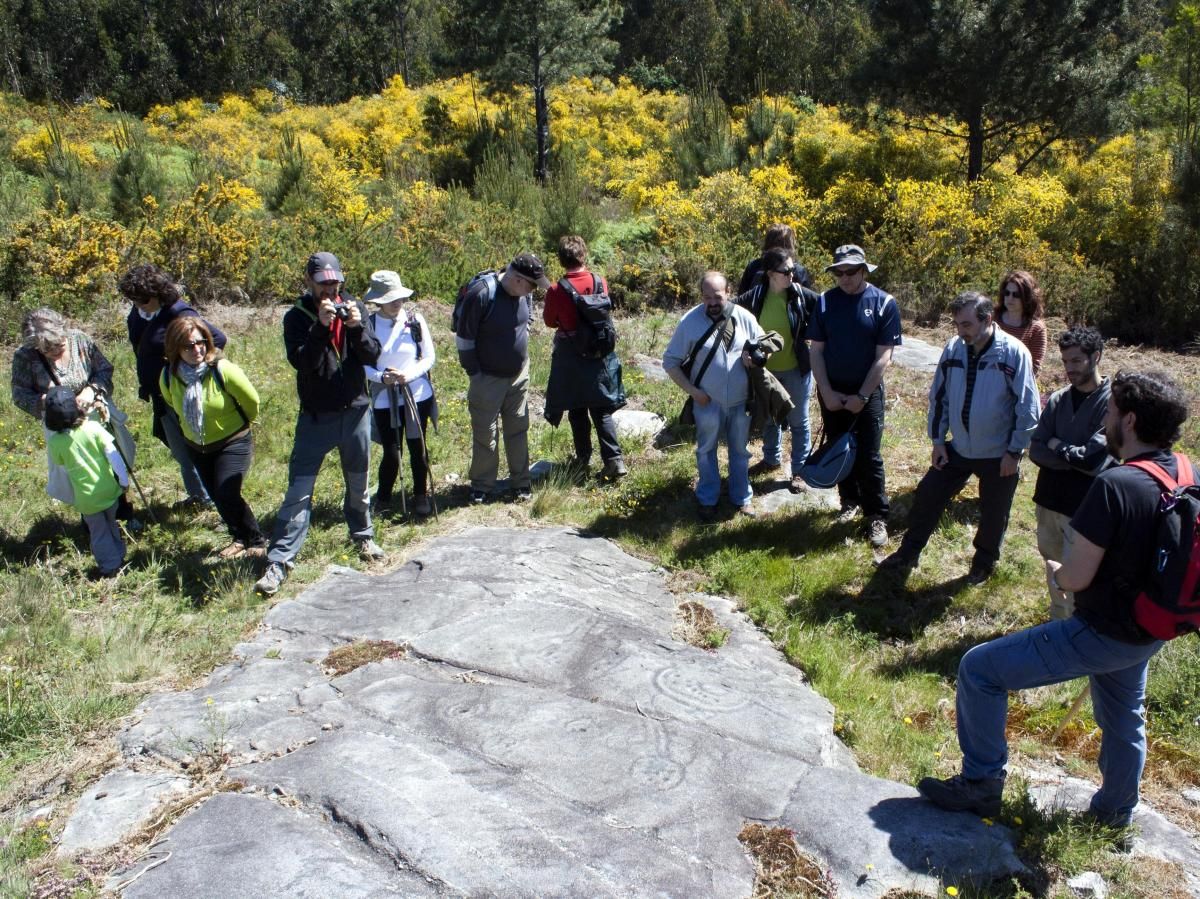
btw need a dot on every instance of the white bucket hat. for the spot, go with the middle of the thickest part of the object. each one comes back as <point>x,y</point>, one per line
<point>386,287</point>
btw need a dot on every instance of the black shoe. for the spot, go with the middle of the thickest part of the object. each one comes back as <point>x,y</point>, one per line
<point>958,794</point>
<point>707,514</point>
<point>979,573</point>
<point>479,497</point>
<point>898,561</point>
<point>1122,833</point>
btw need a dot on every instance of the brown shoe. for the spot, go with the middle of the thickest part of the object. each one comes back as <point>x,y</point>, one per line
<point>798,484</point>
<point>256,552</point>
<point>234,550</point>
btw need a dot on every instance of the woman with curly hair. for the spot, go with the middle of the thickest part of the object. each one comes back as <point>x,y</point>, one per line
<point>215,404</point>
<point>157,302</point>
<point>1021,314</point>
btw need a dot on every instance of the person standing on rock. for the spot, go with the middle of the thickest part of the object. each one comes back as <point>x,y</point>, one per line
<point>492,337</point>
<point>582,386</point>
<point>984,397</point>
<point>1110,547</point>
<point>782,304</point>
<point>854,330</point>
<point>1069,449</point>
<point>707,360</point>
<point>329,342</point>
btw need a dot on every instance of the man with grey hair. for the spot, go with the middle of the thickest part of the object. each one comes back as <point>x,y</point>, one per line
<point>492,337</point>
<point>983,395</point>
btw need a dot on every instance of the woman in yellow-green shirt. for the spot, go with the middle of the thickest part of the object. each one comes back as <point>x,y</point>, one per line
<point>215,403</point>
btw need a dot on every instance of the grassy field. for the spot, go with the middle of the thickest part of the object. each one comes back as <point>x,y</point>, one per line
<point>77,654</point>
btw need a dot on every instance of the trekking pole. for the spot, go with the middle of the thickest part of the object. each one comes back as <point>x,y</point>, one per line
<point>409,404</point>
<point>396,421</point>
<point>108,426</point>
<point>1071,712</point>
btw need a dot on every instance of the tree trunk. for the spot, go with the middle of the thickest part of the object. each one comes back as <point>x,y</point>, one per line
<point>541,113</point>
<point>975,145</point>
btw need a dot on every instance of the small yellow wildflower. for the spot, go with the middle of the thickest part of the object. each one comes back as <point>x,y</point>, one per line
<point>951,891</point>
<point>907,720</point>
<point>1017,820</point>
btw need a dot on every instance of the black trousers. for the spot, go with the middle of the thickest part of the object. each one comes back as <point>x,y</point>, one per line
<point>222,473</point>
<point>939,486</point>
<point>389,463</point>
<point>606,433</point>
<point>865,486</point>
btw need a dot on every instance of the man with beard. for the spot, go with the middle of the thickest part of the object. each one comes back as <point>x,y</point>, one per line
<point>1110,548</point>
<point>713,336</point>
<point>1069,448</point>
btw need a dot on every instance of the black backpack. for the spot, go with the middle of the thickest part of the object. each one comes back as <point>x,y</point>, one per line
<point>1168,604</point>
<point>492,278</point>
<point>595,337</point>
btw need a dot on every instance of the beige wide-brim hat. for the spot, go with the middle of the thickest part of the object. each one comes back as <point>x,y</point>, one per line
<point>850,254</point>
<point>386,287</point>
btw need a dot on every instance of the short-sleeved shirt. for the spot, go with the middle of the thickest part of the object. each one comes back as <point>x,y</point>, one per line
<point>83,451</point>
<point>1118,514</point>
<point>851,327</point>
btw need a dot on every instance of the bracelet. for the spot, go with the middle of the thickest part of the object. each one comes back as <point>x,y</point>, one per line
<point>1054,583</point>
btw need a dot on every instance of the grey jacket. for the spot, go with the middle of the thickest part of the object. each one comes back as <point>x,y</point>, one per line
<point>1004,404</point>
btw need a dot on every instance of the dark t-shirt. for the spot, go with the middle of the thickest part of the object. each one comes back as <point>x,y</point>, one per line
<point>851,327</point>
<point>1118,515</point>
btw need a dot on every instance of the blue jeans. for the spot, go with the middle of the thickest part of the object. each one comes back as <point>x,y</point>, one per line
<point>712,423</point>
<point>349,432</point>
<point>1050,654</point>
<point>798,384</point>
<point>108,549</point>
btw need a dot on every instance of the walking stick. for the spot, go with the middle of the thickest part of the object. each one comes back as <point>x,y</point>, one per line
<point>102,407</point>
<point>1071,712</point>
<point>409,404</point>
<point>396,421</point>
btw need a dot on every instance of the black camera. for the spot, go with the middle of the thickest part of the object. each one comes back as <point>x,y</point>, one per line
<point>757,354</point>
<point>341,310</point>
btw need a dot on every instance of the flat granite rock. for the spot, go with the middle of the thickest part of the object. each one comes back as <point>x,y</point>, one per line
<point>540,733</point>
<point>917,354</point>
<point>117,805</point>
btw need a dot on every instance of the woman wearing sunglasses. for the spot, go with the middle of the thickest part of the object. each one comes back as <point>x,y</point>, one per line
<point>215,404</point>
<point>1021,314</point>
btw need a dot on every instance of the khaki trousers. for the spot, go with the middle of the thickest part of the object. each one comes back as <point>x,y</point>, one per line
<point>492,401</point>
<point>1052,528</point>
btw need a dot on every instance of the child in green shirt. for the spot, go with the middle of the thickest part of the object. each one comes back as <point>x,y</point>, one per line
<point>97,472</point>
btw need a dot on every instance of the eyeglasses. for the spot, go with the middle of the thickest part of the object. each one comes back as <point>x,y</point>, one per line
<point>200,341</point>
<point>845,272</point>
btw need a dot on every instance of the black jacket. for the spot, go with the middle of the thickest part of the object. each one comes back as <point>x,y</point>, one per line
<point>149,339</point>
<point>801,302</point>
<point>325,381</point>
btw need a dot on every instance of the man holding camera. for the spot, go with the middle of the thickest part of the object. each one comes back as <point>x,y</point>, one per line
<point>328,341</point>
<point>707,358</point>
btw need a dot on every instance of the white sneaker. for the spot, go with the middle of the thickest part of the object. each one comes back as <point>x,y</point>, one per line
<point>272,579</point>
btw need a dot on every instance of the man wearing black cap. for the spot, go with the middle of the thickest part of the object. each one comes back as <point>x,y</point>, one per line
<point>493,348</point>
<point>853,333</point>
<point>328,341</point>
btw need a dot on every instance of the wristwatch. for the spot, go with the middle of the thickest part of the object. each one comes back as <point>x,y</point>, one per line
<point>864,397</point>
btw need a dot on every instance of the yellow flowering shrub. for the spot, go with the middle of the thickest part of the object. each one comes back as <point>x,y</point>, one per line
<point>77,255</point>
<point>208,239</point>
<point>31,150</point>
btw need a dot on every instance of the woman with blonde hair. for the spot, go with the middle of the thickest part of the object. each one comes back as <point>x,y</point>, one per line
<point>215,404</point>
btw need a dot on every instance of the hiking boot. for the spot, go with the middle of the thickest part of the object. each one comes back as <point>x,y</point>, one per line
<point>272,579</point>
<point>848,513</point>
<point>421,504</point>
<point>958,794</point>
<point>762,466</point>
<point>877,532</point>
<point>614,469</point>
<point>898,561</point>
<point>747,511</point>
<point>370,551</point>
<point>256,551</point>
<point>522,495</point>
<point>479,497</point>
<point>798,484</point>
<point>1121,833</point>
<point>233,550</point>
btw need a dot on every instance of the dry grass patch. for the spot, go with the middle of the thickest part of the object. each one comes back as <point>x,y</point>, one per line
<point>346,658</point>
<point>698,626</point>
<point>781,868</point>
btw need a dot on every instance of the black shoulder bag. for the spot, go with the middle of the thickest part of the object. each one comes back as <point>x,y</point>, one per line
<point>687,415</point>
